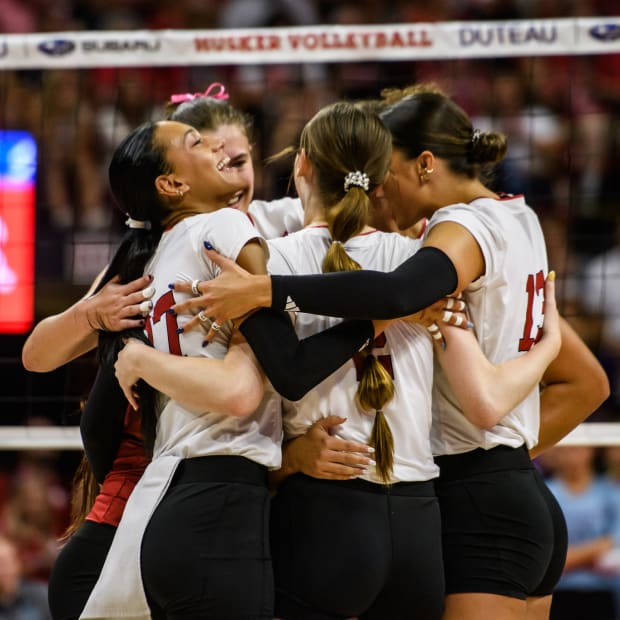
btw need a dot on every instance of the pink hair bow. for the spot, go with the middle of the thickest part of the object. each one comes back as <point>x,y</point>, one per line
<point>216,90</point>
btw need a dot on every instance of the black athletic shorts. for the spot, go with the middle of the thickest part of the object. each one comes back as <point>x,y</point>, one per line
<point>77,569</point>
<point>503,531</point>
<point>205,552</point>
<point>353,548</point>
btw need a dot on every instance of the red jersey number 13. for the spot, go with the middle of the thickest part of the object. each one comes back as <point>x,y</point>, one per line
<point>534,288</point>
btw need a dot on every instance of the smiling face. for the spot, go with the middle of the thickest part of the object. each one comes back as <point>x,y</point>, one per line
<point>237,147</point>
<point>199,166</point>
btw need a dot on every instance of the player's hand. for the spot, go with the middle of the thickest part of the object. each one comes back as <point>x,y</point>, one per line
<point>450,310</point>
<point>320,454</point>
<point>125,370</point>
<point>233,294</point>
<point>552,332</point>
<point>117,307</point>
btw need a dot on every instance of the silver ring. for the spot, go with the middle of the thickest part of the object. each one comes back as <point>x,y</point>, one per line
<point>215,326</point>
<point>195,284</point>
<point>434,331</point>
<point>148,292</point>
<point>203,317</point>
<point>145,307</point>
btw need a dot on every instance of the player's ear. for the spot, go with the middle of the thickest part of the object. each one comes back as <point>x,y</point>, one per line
<point>303,166</point>
<point>167,185</point>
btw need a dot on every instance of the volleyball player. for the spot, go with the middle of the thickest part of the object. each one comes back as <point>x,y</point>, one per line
<point>113,441</point>
<point>503,534</point>
<point>199,513</point>
<point>386,520</point>
<point>213,116</point>
<point>121,464</point>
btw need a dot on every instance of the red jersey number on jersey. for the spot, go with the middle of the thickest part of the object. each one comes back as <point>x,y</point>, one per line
<point>535,290</point>
<point>165,302</point>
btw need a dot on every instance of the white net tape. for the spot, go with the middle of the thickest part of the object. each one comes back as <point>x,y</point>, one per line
<point>68,438</point>
<point>415,41</point>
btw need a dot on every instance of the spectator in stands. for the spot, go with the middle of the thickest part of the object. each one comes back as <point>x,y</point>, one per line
<point>611,561</point>
<point>16,17</point>
<point>585,590</point>
<point>536,134</point>
<point>600,297</point>
<point>269,92</point>
<point>20,598</point>
<point>36,510</point>
<point>34,522</point>
<point>71,178</point>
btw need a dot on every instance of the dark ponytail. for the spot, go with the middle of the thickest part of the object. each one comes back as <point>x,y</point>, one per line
<point>137,162</point>
<point>421,117</point>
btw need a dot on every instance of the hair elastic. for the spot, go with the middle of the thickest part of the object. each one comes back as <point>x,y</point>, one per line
<point>217,91</point>
<point>143,224</point>
<point>356,179</point>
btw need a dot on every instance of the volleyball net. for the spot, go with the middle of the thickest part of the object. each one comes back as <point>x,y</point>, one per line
<point>552,85</point>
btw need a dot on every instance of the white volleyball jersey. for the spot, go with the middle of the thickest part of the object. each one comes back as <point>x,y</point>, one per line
<point>180,256</point>
<point>405,348</point>
<point>182,433</point>
<point>506,307</point>
<point>276,218</point>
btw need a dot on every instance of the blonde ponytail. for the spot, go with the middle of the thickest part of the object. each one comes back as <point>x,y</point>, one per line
<point>374,390</point>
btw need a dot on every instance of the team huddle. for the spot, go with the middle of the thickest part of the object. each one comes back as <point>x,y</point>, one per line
<point>326,407</point>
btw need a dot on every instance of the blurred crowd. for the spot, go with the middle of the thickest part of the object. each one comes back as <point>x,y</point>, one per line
<point>65,15</point>
<point>561,115</point>
<point>586,482</point>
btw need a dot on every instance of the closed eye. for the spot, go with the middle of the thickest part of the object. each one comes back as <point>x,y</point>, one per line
<point>239,162</point>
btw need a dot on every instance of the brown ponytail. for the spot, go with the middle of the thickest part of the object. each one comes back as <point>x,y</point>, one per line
<point>350,150</point>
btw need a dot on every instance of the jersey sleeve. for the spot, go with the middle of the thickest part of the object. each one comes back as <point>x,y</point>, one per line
<point>486,231</point>
<point>277,218</point>
<point>293,215</point>
<point>227,230</point>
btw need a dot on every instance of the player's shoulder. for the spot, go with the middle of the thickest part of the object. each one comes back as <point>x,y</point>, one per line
<point>220,219</point>
<point>392,240</point>
<point>286,203</point>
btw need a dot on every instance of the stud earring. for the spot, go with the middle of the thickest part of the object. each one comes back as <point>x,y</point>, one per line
<point>426,172</point>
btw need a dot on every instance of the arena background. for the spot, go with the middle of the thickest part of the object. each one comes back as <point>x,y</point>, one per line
<point>76,76</point>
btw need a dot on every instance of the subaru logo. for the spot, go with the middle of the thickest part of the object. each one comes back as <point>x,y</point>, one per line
<point>606,32</point>
<point>58,47</point>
